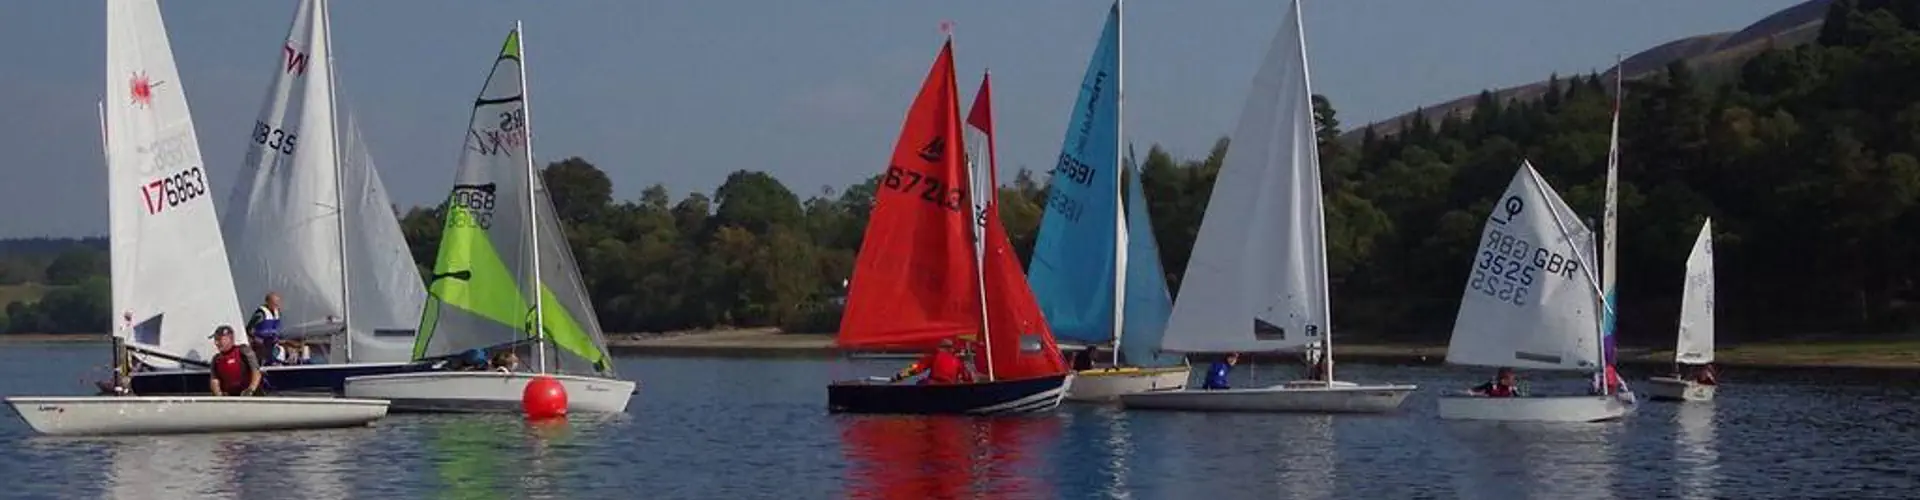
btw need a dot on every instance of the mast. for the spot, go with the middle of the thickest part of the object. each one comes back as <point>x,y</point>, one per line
<point>1320,219</point>
<point>533,219</point>
<point>339,181</point>
<point>979,231</point>
<point>1609,228</point>
<point>1120,162</point>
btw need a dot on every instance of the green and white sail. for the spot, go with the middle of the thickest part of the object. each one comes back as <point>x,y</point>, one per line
<point>502,241</point>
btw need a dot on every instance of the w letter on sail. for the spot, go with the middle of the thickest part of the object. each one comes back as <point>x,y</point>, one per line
<point>296,60</point>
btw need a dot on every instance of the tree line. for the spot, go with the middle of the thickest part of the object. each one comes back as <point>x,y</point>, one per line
<point>1805,158</point>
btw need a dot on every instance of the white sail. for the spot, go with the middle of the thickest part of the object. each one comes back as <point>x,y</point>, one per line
<point>1257,280</point>
<point>1531,300</point>
<point>171,284</point>
<point>283,218</point>
<point>310,220</point>
<point>386,291</point>
<point>1696,303</point>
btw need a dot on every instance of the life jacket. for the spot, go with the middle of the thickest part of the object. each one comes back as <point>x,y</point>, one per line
<point>1217,376</point>
<point>269,325</point>
<point>1496,390</point>
<point>942,368</point>
<point>230,367</point>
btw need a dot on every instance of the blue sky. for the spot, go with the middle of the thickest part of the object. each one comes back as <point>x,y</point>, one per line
<point>682,92</point>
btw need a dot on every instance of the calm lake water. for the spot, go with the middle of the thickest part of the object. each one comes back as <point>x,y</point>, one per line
<point>750,428</point>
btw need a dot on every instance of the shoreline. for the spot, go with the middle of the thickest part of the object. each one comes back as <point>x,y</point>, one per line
<point>1900,355</point>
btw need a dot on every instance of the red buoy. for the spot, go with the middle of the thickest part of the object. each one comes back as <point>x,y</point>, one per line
<point>544,398</point>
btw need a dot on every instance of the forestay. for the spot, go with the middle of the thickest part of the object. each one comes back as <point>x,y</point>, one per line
<point>1696,303</point>
<point>1074,267</point>
<point>481,289</point>
<point>171,284</point>
<point>1257,280</point>
<point>1531,299</point>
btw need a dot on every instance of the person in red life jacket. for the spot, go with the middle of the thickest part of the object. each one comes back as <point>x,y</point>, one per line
<point>234,370</point>
<point>1502,386</point>
<point>942,366</point>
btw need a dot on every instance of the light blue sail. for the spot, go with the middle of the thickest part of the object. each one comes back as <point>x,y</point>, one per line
<point>1147,302</point>
<point>1072,271</point>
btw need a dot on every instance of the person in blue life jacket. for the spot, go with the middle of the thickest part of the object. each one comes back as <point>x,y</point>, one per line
<point>1217,374</point>
<point>263,328</point>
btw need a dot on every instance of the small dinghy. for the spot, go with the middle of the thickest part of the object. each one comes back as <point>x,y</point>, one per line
<point>118,415</point>
<point>1695,347</point>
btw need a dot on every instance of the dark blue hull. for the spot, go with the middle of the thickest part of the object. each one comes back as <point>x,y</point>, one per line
<point>983,398</point>
<point>293,378</point>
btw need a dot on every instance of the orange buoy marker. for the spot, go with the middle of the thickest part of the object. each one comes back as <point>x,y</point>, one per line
<point>544,398</point>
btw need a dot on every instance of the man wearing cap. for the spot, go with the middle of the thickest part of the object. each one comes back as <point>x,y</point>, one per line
<point>942,367</point>
<point>1502,386</point>
<point>234,371</point>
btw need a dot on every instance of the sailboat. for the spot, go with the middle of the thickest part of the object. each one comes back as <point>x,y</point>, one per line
<point>919,281</point>
<point>1257,281</point>
<point>170,278</point>
<point>1532,301</point>
<point>312,223</point>
<point>1695,345</point>
<point>505,279</point>
<point>1095,266</point>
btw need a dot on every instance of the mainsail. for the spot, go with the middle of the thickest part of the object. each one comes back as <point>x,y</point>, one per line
<point>916,280</point>
<point>310,219</point>
<point>171,284</point>
<point>1257,280</point>
<point>1531,299</point>
<point>497,214</point>
<point>1076,252</point>
<point>1696,303</point>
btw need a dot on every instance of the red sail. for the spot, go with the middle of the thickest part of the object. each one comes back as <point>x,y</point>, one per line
<point>1019,342</point>
<point>914,281</point>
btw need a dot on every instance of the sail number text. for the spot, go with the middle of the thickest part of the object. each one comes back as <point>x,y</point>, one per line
<point>1071,169</point>
<point>1508,266</point>
<point>274,138</point>
<point>507,136</point>
<point>171,191</point>
<point>475,203</point>
<point>1059,202</point>
<point>927,188</point>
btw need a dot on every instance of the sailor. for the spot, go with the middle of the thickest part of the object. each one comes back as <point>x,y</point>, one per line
<point>263,328</point>
<point>234,371</point>
<point>1704,375</point>
<point>1217,374</point>
<point>1317,360</point>
<point>942,366</point>
<point>505,361</point>
<point>1502,386</point>
<point>1083,360</point>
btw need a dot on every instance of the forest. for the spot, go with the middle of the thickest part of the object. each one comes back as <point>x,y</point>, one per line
<point>1805,159</point>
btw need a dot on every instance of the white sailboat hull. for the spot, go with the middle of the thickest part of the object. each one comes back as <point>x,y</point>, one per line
<point>1104,385</point>
<point>1534,408</point>
<point>1674,389</point>
<point>486,391</point>
<point>112,415</point>
<point>1302,396</point>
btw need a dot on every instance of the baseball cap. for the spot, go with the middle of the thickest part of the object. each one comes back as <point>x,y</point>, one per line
<point>222,330</point>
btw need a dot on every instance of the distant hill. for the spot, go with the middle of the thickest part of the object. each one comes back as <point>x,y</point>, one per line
<point>23,247</point>
<point>1712,56</point>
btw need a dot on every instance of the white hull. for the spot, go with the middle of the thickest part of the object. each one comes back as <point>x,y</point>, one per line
<point>107,415</point>
<point>1673,389</point>
<point>1105,384</point>
<point>1534,409</point>
<point>486,391</point>
<point>1309,397</point>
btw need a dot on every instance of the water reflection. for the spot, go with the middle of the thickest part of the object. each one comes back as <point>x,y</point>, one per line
<point>946,456</point>
<point>504,456</point>
<point>174,467</point>
<point>1307,457</point>
<point>1697,451</point>
<point>1533,460</point>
